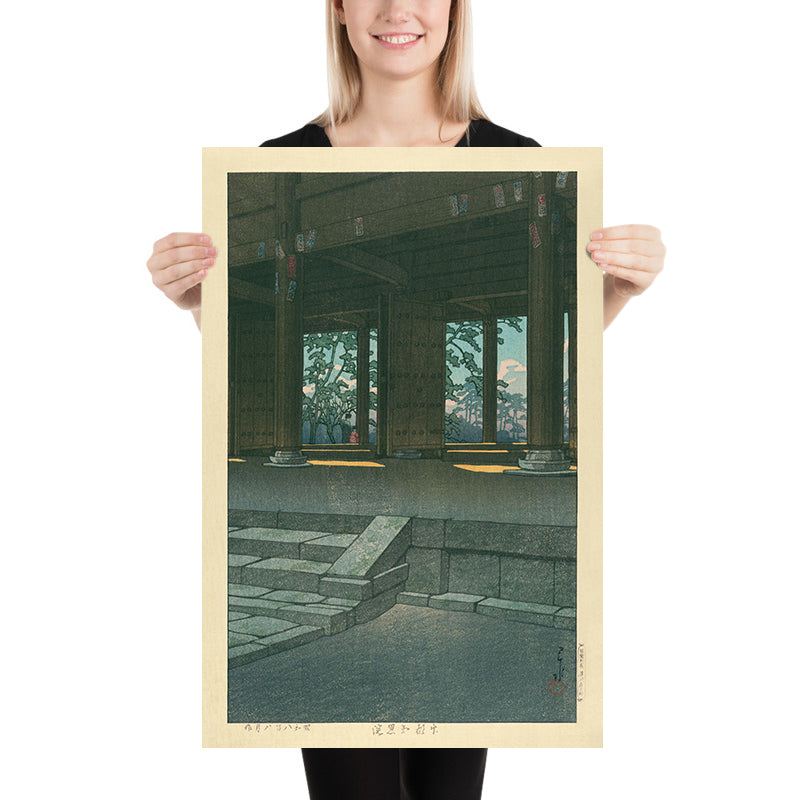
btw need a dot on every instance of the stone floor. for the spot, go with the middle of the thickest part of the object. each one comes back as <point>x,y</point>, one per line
<point>413,664</point>
<point>425,488</point>
<point>418,663</point>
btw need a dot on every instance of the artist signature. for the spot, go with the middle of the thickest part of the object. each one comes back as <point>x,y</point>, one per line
<point>557,687</point>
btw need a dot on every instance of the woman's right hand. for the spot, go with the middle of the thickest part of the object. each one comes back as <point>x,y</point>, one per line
<point>178,265</point>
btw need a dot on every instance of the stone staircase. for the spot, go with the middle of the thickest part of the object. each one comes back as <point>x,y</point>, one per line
<point>314,575</point>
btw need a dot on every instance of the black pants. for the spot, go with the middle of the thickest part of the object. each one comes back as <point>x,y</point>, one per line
<point>388,774</point>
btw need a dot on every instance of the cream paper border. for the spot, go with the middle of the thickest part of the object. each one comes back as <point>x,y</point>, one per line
<point>587,730</point>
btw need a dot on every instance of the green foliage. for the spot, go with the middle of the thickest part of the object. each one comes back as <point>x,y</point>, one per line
<point>331,362</point>
<point>511,322</point>
<point>462,344</point>
<point>511,407</point>
<point>511,416</point>
<point>329,357</point>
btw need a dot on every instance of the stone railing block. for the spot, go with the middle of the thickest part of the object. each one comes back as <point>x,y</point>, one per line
<point>352,588</point>
<point>527,579</point>
<point>428,570</point>
<point>566,584</point>
<point>379,547</point>
<point>327,523</point>
<point>539,541</point>
<point>390,579</point>
<point>474,573</point>
<point>243,518</point>
<point>427,532</point>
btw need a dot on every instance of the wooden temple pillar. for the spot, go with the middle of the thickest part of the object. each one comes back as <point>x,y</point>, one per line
<point>545,342</point>
<point>383,376</point>
<point>362,385</point>
<point>490,380</point>
<point>572,356</point>
<point>414,395</point>
<point>288,330</point>
<point>251,367</point>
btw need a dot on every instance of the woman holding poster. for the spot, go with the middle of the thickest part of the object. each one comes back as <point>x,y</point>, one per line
<point>400,75</point>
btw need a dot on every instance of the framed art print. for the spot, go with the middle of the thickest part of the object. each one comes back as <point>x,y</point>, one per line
<point>402,448</point>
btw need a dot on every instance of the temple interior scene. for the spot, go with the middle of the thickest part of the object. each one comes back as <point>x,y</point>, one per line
<point>403,315</point>
<point>402,401</point>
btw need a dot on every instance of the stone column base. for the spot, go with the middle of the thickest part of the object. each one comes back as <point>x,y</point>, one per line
<point>544,463</point>
<point>287,458</point>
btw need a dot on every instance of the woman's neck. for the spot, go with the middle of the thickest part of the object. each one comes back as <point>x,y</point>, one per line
<point>397,113</point>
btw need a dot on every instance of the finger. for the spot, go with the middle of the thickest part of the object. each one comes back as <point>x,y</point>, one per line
<point>178,288</point>
<point>628,232</point>
<point>644,247</point>
<point>629,260</point>
<point>174,240</point>
<point>639,278</point>
<point>178,255</point>
<point>165,277</point>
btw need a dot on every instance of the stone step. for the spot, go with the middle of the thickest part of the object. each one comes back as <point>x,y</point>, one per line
<point>333,615</point>
<point>243,590</point>
<point>294,598</point>
<point>517,611</point>
<point>264,620</point>
<point>364,588</point>
<point>258,627</point>
<point>413,598</point>
<point>289,585</point>
<point>331,619</point>
<point>340,602</point>
<point>256,606</point>
<point>391,579</point>
<point>260,647</point>
<point>236,563</point>
<point>280,543</point>
<point>535,613</point>
<point>455,601</point>
<point>260,601</point>
<point>303,608</point>
<point>351,588</point>
<point>375,606</point>
<point>300,575</point>
<point>327,548</point>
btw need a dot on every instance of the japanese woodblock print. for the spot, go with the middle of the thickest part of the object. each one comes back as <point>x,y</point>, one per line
<point>404,450</point>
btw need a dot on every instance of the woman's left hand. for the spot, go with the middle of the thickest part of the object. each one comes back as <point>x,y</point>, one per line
<point>632,254</point>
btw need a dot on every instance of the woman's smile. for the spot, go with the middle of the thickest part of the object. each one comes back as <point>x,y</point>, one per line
<point>397,41</point>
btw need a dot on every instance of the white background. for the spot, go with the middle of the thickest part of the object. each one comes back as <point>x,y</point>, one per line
<point>107,107</point>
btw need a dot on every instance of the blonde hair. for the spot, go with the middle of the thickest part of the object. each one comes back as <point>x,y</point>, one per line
<point>459,100</point>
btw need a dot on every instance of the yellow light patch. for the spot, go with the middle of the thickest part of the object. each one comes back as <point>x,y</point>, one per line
<point>484,467</point>
<point>346,464</point>
<point>493,468</point>
<point>240,460</point>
